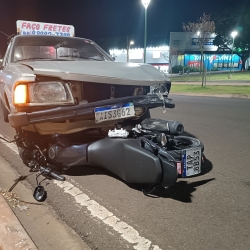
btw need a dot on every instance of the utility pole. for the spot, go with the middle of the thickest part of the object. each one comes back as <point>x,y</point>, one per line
<point>129,43</point>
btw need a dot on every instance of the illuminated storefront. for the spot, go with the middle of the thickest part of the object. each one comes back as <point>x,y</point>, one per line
<point>187,44</point>
<point>156,56</point>
<point>185,51</point>
<point>211,62</point>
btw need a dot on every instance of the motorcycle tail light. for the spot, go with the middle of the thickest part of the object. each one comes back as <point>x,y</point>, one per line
<point>179,167</point>
<point>20,94</point>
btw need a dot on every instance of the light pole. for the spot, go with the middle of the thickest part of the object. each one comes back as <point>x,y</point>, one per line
<point>128,49</point>
<point>199,43</point>
<point>233,34</point>
<point>145,3</point>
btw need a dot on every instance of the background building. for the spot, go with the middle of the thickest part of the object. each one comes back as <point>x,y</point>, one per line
<point>183,50</point>
<point>187,52</point>
<point>156,56</point>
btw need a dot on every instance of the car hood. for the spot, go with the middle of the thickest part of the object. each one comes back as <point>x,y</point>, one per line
<point>100,71</point>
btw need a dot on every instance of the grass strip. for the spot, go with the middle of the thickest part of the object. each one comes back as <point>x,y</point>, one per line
<point>184,88</point>
<point>235,76</point>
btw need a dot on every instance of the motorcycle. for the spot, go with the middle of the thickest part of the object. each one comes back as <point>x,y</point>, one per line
<point>152,152</point>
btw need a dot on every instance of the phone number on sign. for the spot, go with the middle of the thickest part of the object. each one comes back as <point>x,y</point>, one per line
<point>45,33</point>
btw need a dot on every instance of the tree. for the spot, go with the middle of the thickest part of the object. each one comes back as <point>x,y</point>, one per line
<point>203,28</point>
<point>234,20</point>
<point>171,56</point>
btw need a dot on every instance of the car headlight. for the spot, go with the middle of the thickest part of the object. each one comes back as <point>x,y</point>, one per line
<point>159,89</point>
<point>42,93</point>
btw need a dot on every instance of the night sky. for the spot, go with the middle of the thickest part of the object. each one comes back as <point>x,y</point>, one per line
<point>109,22</point>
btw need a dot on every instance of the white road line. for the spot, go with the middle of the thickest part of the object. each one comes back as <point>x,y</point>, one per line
<point>127,232</point>
<point>12,146</point>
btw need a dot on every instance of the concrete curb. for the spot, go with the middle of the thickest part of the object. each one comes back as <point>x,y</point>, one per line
<point>12,233</point>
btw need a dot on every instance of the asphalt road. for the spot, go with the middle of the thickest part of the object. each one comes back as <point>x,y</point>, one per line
<point>210,211</point>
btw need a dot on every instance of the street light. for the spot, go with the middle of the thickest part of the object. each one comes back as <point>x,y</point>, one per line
<point>145,3</point>
<point>233,34</point>
<point>128,49</point>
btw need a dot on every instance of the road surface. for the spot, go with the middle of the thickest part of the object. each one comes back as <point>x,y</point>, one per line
<point>210,211</point>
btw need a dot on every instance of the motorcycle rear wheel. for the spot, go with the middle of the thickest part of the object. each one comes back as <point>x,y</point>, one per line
<point>185,142</point>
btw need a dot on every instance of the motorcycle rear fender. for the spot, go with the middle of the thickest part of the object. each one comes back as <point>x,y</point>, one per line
<point>170,174</point>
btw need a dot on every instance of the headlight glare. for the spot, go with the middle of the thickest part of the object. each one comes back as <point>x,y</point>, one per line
<point>20,94</point>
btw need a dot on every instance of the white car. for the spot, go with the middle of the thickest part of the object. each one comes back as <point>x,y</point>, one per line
<point>54,84</point>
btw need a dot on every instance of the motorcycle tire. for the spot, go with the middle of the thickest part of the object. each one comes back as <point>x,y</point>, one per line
<point>184,142</point>
<point>188,142</point>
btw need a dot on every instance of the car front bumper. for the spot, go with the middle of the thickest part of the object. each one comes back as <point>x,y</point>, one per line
<point>83,110</point>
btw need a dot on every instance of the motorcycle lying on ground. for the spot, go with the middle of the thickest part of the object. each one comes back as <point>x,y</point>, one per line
<point>148,151</point>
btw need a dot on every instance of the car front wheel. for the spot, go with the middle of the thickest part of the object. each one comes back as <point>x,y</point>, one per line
<point>5,112</point>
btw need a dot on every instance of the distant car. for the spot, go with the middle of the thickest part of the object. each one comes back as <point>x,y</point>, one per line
<point>74,74</point>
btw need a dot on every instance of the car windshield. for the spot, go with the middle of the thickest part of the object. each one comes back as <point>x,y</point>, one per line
<point>57,48</point>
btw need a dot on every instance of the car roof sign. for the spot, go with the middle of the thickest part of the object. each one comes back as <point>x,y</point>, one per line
<point>47,29</point>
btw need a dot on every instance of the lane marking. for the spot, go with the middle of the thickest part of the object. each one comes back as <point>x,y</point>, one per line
<point>11,146</point>
<point>126,231</point>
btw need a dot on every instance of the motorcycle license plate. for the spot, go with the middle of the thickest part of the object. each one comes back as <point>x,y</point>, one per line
<point>191,160</point>
<point>118,111</point>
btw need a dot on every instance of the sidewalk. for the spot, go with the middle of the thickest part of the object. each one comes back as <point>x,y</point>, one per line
<point>30,226</point>
<point>12,233</point>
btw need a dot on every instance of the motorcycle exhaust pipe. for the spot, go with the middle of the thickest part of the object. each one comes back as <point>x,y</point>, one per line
<point>168,127</point>
<point>175,127</point>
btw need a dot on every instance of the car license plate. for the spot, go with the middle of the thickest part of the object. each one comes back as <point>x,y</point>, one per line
<point>191,159</point>
<point>114,112</point>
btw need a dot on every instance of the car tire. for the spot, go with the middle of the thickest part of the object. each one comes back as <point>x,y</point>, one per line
<point>5,112</point>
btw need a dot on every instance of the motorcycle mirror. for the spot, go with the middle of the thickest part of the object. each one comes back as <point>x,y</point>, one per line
<point>40,194</point>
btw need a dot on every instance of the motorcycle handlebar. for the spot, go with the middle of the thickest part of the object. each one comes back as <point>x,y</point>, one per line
<point>57,176</point>
<point>48,171</point>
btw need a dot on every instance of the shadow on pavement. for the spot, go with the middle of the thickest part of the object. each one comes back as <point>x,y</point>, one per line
<point>88,170</point>
<point>181,191</point>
